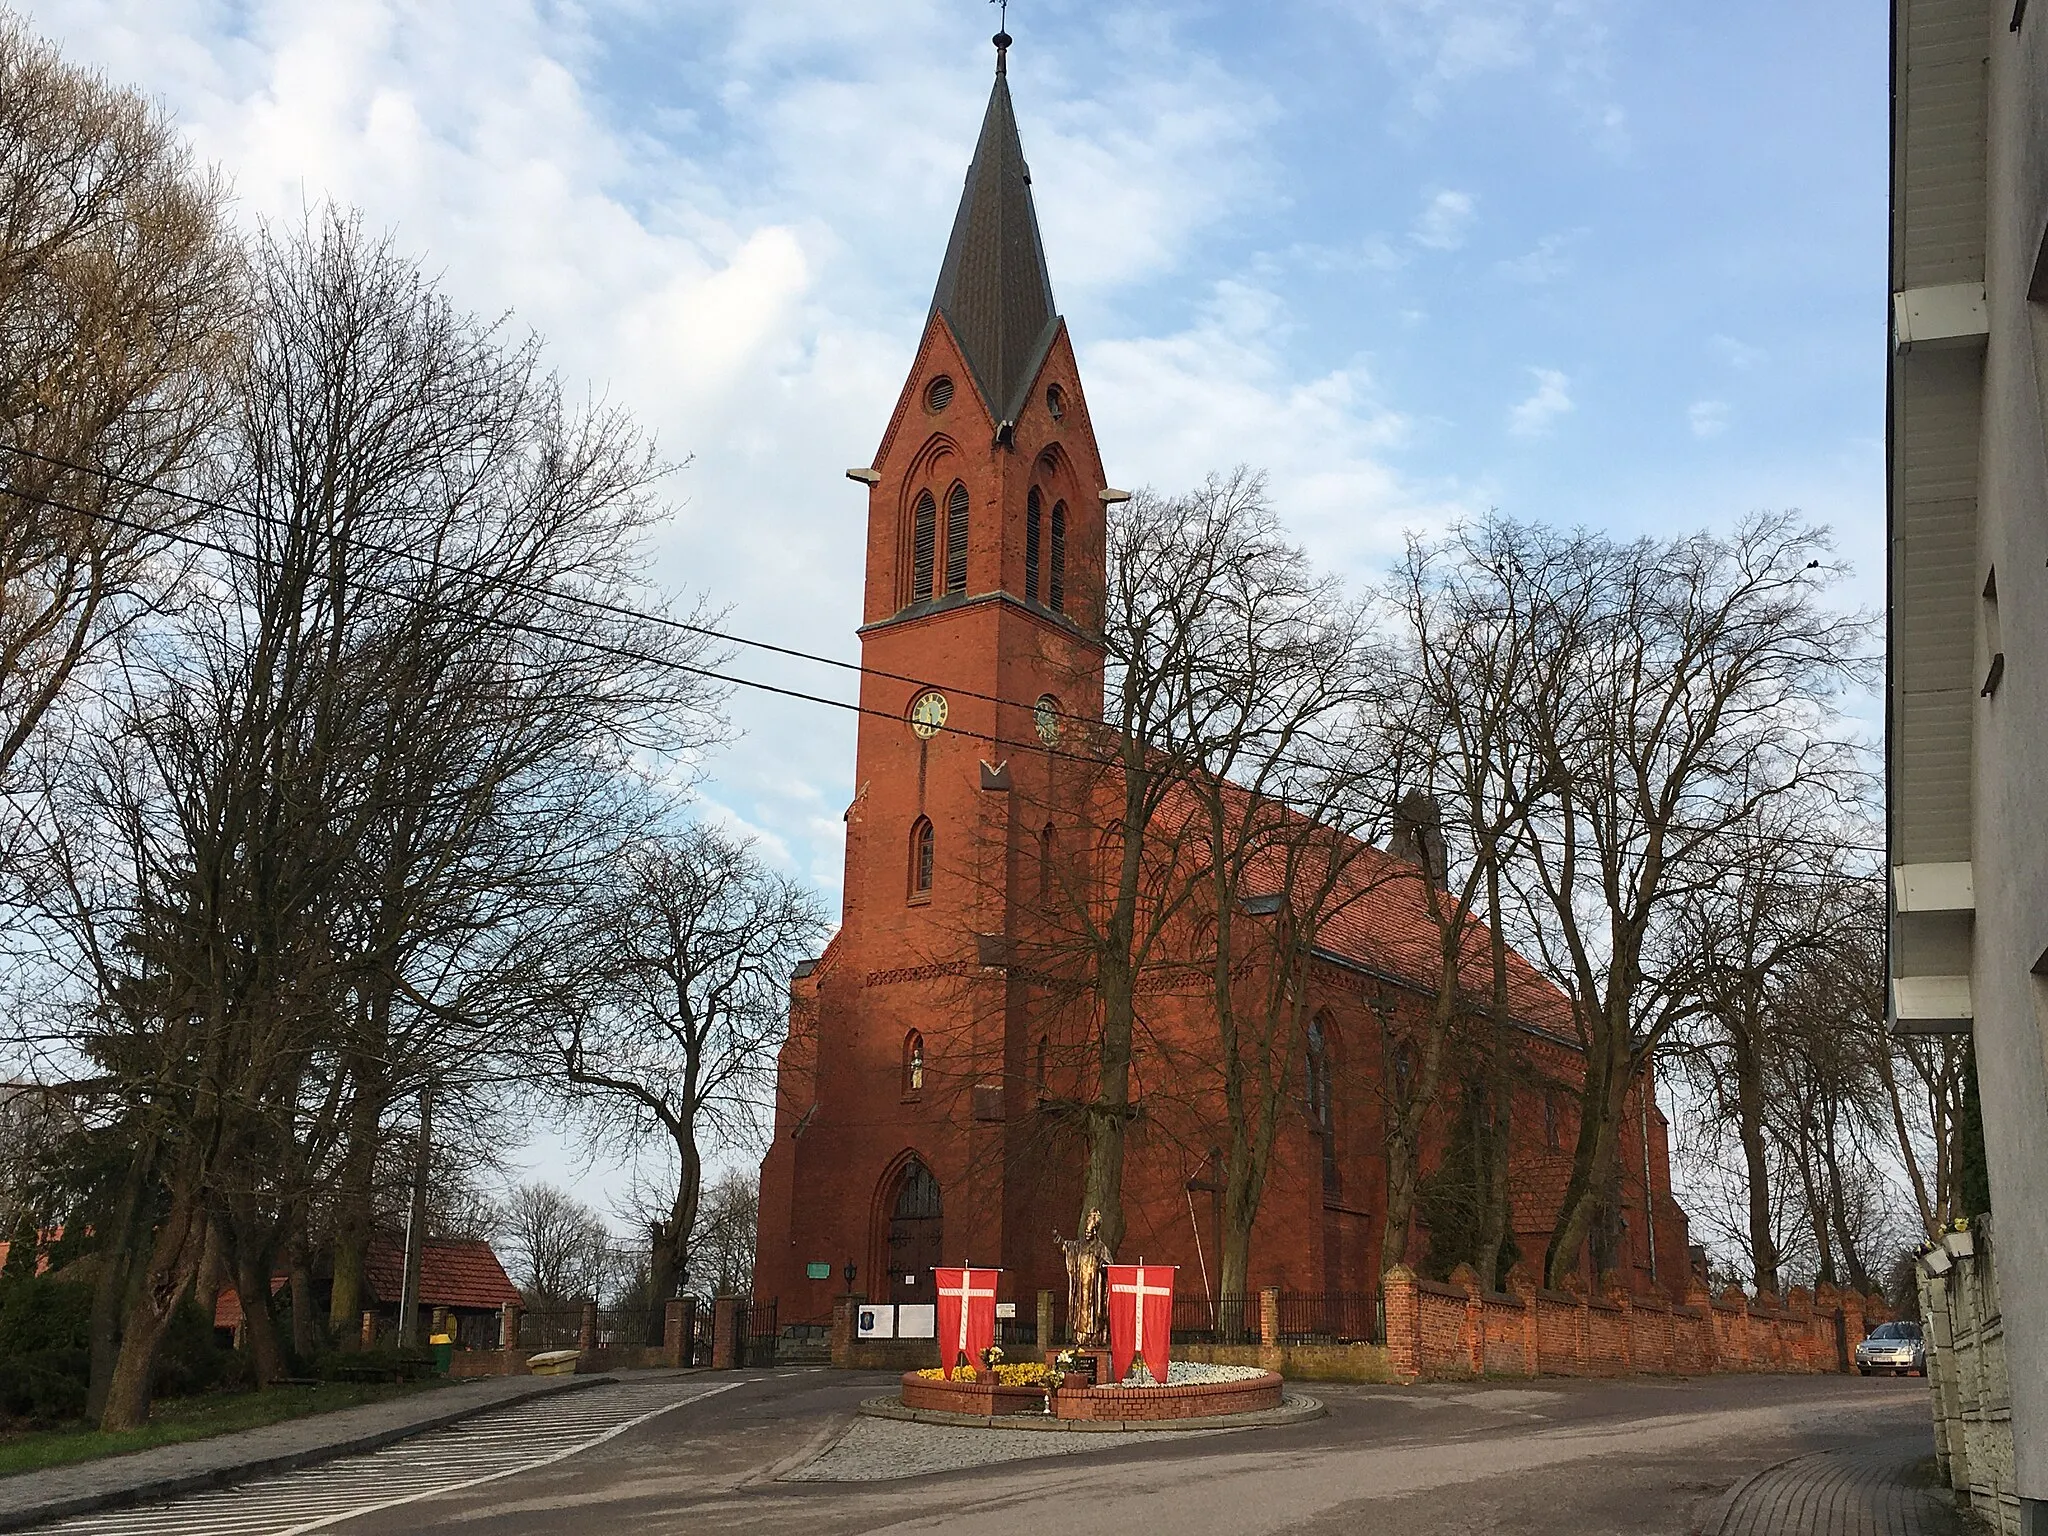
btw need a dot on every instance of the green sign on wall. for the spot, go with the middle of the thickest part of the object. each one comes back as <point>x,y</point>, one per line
<point>817,1271</point>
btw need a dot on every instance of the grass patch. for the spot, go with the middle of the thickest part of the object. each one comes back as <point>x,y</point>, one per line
<point>175,1420</point>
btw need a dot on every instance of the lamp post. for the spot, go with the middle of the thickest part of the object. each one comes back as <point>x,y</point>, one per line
<point>849,1272</point>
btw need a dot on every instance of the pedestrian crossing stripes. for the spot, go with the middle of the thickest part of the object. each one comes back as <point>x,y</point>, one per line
<point>491,1446</point>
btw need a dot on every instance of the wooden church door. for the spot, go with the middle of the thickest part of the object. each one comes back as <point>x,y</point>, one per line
<point>916,1227</point>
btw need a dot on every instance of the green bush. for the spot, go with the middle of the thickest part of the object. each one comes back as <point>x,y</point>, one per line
<point>38,1315</point>
<point>191,1361</point>
<point>44,1384</point>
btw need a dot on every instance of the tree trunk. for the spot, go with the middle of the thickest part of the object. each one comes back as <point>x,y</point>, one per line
<point>1602,1102</point>
<point>1838,1207</point>
<point>1816,1208</point>
<point>1500,1097</point>
<point>252,1286</point>
<point>305,1337</point>
<point>354,1211</point>
<point>1749,1112</point>
<point>1109,1115</point>
<point>416,1225</point>
<point>1233,1276</point>
<point>114,1292</point>
<point>213,1269</point>
<point>165,1281</point>
<point>669,1256</point>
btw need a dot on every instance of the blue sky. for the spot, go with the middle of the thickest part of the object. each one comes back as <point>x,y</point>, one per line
<point>1598,261</point>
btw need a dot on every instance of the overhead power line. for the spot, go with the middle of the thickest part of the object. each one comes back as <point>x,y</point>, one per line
<point>572,600</point>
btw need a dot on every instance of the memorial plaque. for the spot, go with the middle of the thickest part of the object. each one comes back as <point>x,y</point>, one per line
<point>917,1322</point>
<point>816,1271</point>
<point>1006,1311</point>
<point>1085,1365</point>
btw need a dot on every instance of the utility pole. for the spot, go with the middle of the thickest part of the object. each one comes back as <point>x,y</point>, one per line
<point>416,1224</point>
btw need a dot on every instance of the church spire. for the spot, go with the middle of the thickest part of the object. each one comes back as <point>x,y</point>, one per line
<point>994,289</point>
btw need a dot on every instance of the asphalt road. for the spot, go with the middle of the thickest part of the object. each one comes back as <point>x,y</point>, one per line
<point>1639,1456</point>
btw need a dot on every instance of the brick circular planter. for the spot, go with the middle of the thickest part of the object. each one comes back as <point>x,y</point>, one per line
<point>1198,1400</point>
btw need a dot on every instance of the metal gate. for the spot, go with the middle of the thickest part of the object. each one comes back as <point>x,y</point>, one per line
<point>754,1332</point>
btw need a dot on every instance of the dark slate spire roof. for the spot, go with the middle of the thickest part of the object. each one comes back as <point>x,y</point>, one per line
<point>994,290</point>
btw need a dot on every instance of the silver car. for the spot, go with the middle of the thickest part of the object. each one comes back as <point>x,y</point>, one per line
<point>1894,1347</point>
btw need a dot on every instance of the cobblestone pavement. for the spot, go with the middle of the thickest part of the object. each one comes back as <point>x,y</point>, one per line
<point>1864,1492</point>
<point>880,1450</point>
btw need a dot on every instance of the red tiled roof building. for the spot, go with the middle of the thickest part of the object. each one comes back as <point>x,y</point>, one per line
<point>913,1098</point>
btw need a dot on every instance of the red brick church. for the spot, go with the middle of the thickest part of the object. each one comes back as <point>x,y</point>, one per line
<point>912,1098</point>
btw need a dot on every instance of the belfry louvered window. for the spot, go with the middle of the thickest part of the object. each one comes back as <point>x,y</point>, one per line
<point>956,540</point>
<point>1034,505</point>
<point>1056,577</point>
<point>924,547</point>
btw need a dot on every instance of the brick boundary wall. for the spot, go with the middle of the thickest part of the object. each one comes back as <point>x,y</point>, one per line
<point>1446,1331</point>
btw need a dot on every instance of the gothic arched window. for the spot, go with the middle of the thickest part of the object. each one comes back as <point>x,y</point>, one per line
<point>913,1063</point>
<point>921,859</point>
<point>1034,514</point>
<point>956,539</point>
<point>1056,576</point>
<point>1318,1076</point>
<point>924,547</point>
<point>1322,1104</point>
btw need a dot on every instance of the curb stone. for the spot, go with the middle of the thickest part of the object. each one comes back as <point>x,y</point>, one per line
<point>151,1489</point>
<point>1295,1408</point>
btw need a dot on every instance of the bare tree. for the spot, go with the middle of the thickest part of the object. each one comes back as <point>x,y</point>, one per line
<point>1757,938</point>
<point>723,1245</point>
<point>1699,685</point>
<point>1172,642</point>
<point>119,303</point>
<point>1473,666</point>
<point>1283,787</point>
<point>688,950</point>
<point>557,1244</point>
<point>334,812</point>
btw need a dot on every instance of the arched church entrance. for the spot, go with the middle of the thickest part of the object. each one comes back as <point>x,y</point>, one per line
<point>916,1228</point>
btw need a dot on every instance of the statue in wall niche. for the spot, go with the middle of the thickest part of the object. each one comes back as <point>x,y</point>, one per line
<point>1087,1258</point>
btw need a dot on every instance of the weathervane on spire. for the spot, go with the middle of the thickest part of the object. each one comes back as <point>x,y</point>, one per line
<point>1002,37</point>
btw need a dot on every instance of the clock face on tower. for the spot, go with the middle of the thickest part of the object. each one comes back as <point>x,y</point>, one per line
<point>928,714</point>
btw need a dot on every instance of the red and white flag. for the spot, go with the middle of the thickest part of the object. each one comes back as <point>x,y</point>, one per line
<point>967,1315</point>
<point>1140,1318</point>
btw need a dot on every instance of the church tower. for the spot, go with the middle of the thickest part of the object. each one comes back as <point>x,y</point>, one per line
<point>903,1097</point>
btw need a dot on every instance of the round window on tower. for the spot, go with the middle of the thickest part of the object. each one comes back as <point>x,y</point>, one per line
<point>1055,402</point>
<point>938,394</point>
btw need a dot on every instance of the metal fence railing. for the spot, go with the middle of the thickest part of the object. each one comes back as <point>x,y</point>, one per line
<point>548,1328</point>
<point>634,1327</point>
<point>1331,1318</point>
<point>1215,1319</point>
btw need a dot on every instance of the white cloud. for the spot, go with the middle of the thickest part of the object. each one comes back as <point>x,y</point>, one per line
<point>1551,399</point>
<point>1443,222</point>
<point>1550,260</point>
<point>1446,44</point>
<point>1170,408</point>
<point>1707,418</point>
